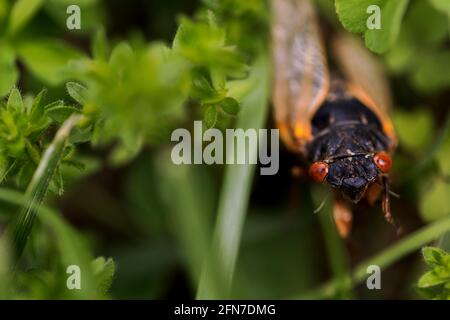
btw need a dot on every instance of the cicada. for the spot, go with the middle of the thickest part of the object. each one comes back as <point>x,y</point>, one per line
<point>337,121</point>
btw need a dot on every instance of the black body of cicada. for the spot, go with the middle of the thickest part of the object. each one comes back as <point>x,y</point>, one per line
<point>346,135</point>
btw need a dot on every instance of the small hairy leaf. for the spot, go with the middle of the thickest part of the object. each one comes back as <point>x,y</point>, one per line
<point>15,101</point>
<point>103,271</point>
<point>210,116</point>
<point>77,92</point>
<point>37,110</point>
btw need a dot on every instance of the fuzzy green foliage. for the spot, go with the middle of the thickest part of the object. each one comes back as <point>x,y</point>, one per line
<point>135,95</point>
<point>435,284</point>
<point>129,93</point>
<point>24,124</point>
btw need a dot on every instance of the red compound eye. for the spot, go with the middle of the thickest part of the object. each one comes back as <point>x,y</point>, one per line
<point>383,161</point>
<point>318,171</point>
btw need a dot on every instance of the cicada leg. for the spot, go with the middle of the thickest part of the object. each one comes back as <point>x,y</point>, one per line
<point>343,217</point>
<point>386,206</point>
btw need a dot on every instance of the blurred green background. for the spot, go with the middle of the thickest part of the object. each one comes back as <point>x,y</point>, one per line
<point>166,228</point>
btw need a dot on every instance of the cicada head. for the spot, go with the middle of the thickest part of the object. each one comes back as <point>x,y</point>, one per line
<point>352,175</point>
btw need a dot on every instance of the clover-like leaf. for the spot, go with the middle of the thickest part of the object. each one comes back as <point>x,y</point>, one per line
<point>415,128</point>
<point>354,15</point>
<point>433,201</point>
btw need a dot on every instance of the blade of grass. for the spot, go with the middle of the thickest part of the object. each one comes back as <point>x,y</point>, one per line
<point>235,194</point>
<point>190,209</point>
<point>384,259</point>
<point>19,230</point>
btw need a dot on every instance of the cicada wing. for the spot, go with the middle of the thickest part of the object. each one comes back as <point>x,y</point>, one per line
<point>301,77</point>
<point>366,78</point>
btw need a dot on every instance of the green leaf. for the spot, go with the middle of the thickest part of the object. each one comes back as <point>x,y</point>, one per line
<point>430,279</point>
<point>77,92</point>
<point>25,174</point>
<point>230,105</point>
<point>37,110</point>
<point>434,201</point>
<point>210,116</point>
<point>203,43</point>
<point>353,15</point>
<point>434,73</point>
<point>33,152</point>
<point>434,256</point>
<point>415,128</point>
<point>15,101</point>
<point>22,12</point>
<point>103,271</point>
<point>435,284</point>
<point>8,70</point>
<point>47,59</point>
<point>60,113</point>
<point>201,88</point>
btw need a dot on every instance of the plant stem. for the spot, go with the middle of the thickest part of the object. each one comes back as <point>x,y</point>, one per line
<point>336,250</point>
<point>384,259</point>
<point>20,229</point>
<point>235,193</point>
